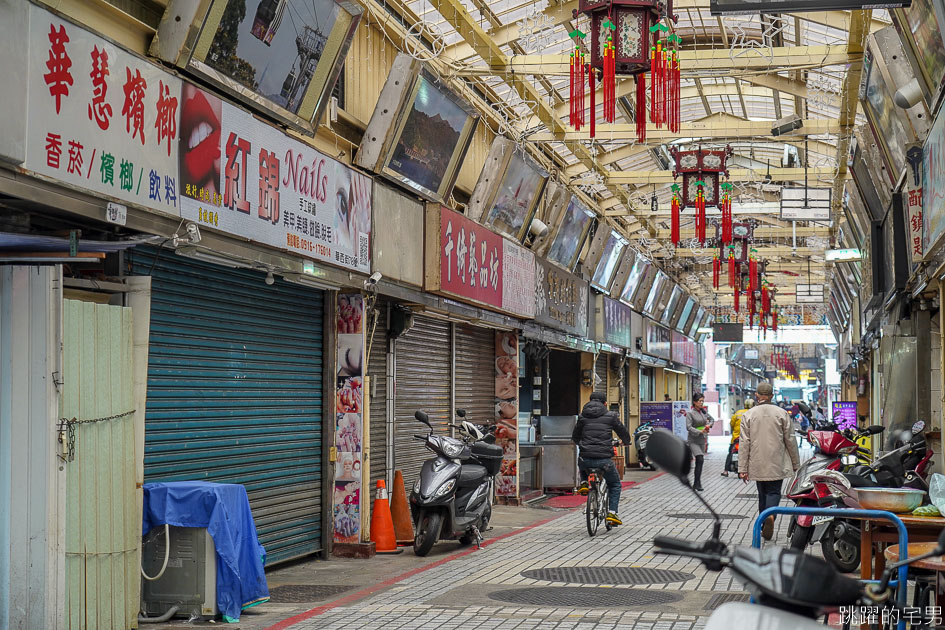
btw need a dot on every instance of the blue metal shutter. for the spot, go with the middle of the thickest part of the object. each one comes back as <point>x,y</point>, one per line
<point>235,391</point>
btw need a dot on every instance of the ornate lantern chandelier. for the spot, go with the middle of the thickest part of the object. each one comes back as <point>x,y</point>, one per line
<point>628,38</point>
<point>701,171</point>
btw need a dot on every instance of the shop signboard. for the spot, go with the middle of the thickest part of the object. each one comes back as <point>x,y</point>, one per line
<point>617,318</point>
<point>561,298</point>
<point>683,349</point>
<point>658,340</point>
<point>100,119</point>
<point>104,120</point>
<point>843,413</point>
<point>470,262</point>
<point>912,196</point>
<point>659,413</point>
<point>348,496</point>
<point>680,409</point>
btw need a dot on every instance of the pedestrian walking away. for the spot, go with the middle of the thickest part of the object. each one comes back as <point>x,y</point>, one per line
<point>593,434</point>
<point>698,423</point>
<point>767,451</point>
<point>736,430</point>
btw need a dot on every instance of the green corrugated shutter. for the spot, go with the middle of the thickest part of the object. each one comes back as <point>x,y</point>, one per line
<point>235,391</point>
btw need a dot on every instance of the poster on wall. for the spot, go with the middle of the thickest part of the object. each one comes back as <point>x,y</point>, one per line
<point>680,409</point>
<point>506,411</point>
<point>250,179</point>
<point>101,119</point>
<point>843,413</point>
<point>349,418</point>
<point>660,414</point>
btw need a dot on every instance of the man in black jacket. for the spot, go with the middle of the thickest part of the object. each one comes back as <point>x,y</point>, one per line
<point>593,434</point>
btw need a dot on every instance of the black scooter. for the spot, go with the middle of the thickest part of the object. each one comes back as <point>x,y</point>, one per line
<point>452,499</point>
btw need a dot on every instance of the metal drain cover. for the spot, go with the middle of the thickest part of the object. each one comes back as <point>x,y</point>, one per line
<point>301,593</point>
<point>746,495</point>
<point>578,597</point>
<point>705,516</point>
<point>607,575</point>
<point>723,598</point>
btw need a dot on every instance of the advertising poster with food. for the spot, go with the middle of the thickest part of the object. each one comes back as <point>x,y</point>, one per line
<point>349,418</point>
<point>506,411</point>
<point>247,178</point>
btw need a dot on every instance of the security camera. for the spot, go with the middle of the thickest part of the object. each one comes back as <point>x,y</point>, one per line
<point>193,233</point>
<point>371,282</point>
<point>538,228</point>
<point>787,125</point>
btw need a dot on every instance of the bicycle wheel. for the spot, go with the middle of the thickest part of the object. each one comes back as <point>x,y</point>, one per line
<point>604,504</point>
<point>592,509</point>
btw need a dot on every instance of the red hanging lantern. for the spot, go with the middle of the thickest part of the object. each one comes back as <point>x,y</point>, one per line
<point>675,218</point>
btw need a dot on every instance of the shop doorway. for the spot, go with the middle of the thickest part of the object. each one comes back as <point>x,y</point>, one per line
<point>564,383</point>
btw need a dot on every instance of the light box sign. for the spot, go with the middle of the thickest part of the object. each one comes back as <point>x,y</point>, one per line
<point>658,341</point>
<point>749,7</point>
<point>247,178</point>
<point>560,298</point>
<point>805,204</point>
<point>516,197</point>
<point>571,234</point>
<point>933,185</point>
<point>684,349</point>
<point>279,56</point>
<point>472,263</point>
<point>617,317</point>
<point>101,119</point>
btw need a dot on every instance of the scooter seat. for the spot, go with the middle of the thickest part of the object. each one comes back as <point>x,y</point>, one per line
<point>472,475</point>
<point>859,481</point>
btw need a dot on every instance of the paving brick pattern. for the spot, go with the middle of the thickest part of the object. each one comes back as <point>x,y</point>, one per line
<point>455,594</point>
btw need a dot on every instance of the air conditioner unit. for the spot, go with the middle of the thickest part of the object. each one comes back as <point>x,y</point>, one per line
<point>190,579</point>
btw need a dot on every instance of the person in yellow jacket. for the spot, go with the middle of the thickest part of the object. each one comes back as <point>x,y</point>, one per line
<point>736,431</point>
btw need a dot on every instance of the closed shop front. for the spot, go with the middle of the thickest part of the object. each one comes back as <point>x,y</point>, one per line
<point>377,370</point>
<point>475,372</point>
<point>235,391</point>
<point>600,371</point>
<point>422,379</point>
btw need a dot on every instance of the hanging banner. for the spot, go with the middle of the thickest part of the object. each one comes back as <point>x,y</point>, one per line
<point>470,262</point>
<point>247,178</point>
<point>912,194</point>
<point>683,349</point>
<point>349,419</point>
<point>100,119</point>
<point>560,298</point>
<point>506,407</point>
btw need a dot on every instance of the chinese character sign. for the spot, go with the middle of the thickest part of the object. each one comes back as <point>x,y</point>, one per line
<point>471,260</point>
<point>518,283</point>
<point>100,119</point>
<point>683,349</point>
<point>349,418</point>
<point>506,407</point>
<point>616,323</point>
<point>560,298</point>
<point>250,179</point>
<point>913,199</point>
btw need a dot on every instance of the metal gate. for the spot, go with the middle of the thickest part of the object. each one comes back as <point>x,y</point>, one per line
<point>377,370</point>
<point>600,369</point>
<point>475,372</point>
<point>235,391</point>
<point>422,359</point>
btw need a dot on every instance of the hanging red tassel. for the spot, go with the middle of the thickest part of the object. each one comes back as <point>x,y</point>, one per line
<point>774,320</point>
<point>571,91</point>
<point>675,84</point>
<point>731,268</point>
<point>700,212</point>
<point>752,272</point>
<point>641,107</point>
<point>593,112</point>
<point>654,72</point>
<point>675,216</point>
<point>737,293</point>
<point>580,108</point>
<point>609,82</point>
<point>716,271</point>
<point>765,299</point>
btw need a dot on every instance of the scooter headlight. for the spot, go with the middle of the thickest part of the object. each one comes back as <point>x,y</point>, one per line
<point>445,489</point>
<point>452,448</point>
<point>416,487</point>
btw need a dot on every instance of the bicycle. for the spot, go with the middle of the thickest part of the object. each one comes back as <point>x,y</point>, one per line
<point>597,501</point>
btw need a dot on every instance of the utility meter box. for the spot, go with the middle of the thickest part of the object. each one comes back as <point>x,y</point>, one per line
<point>189,580</point>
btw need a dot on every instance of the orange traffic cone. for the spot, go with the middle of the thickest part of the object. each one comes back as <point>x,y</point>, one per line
<point>403,526</point>
<point>382,525</point>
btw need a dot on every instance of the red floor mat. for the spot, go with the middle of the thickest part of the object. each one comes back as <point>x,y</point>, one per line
<point>576,500</point>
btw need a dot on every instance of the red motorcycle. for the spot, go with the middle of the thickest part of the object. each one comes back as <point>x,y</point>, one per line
<point>831,448</point>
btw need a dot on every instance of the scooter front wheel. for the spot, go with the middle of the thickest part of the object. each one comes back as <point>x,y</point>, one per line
<point>428,531</point>
<point>843,553</point>
<point>801,537</point>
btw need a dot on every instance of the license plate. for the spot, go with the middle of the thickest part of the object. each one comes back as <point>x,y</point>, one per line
<point>821,519</point>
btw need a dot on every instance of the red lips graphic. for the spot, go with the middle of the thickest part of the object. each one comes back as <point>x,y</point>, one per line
<point>200,138</point>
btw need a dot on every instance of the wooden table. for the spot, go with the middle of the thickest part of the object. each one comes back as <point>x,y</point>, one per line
<point>935,564</point>
<point>873,533</point>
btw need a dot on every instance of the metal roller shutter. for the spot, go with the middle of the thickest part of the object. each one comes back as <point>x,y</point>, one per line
<point>600,369</point>
<point>235,392</point>
<point>422,381</point>
<point>475,372</point>
<point>377,370</point>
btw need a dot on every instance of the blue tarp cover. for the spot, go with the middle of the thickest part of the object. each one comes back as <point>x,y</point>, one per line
<point>224,510</point>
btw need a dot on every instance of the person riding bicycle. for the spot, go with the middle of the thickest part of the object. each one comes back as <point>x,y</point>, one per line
<point>593,433</point>
<point>736,430</point>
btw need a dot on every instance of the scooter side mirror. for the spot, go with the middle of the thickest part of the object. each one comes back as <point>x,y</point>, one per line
<point>669,453</point>
<point>461,413</point>
<point>424,418</point>
<point>875,429</point>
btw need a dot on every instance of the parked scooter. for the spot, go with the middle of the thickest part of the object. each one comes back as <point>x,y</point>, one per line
<point>640,437</point>
<point>906,466</point>
<point>791,588</point>
<point>452,499</point>
<point>831,447</point>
